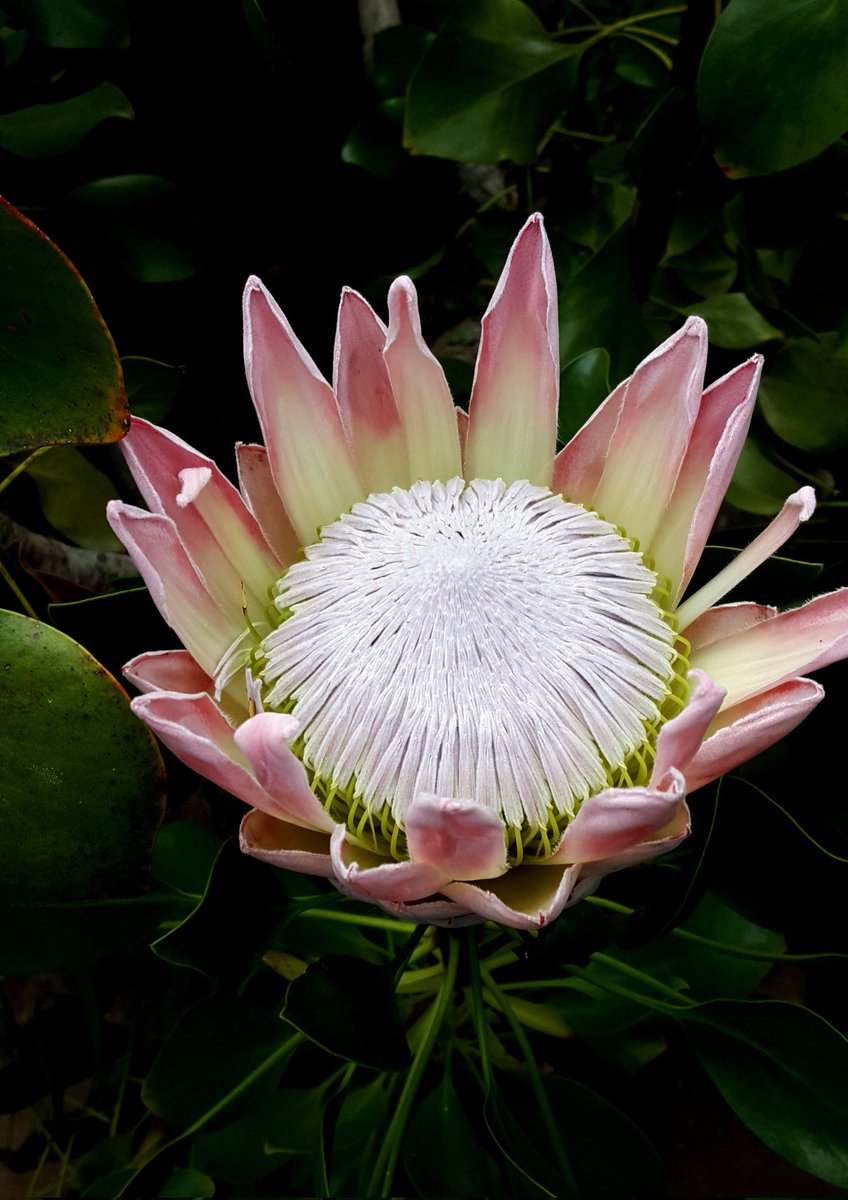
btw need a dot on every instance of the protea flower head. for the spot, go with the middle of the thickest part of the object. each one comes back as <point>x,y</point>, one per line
<point>446,668</point>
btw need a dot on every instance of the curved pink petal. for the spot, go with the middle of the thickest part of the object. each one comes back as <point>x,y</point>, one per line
<point>513,413</point>
<point>799,507</point>
<point>219,534</point>
<point>725,620</point>
<point>155,547</point>
<point>310,460</point>
<point>196,730</point>
<point>619,819</point>
<point>758,659</point>
<point>264,742</point>
<point>748,728</point>
<point>579,465</point>
<point>463,839</point>
<point>365,398</point>
<point>167,671</point>
<point>711,456</point>
<point>666,839</point>
<point>421,391</point>
<point>681,737</point>
<point>260,493</point>
<point>283,845</point>
<point>649,445</point>
<point>527,897</point>
<point>442,912</point>
<point>368,876</point>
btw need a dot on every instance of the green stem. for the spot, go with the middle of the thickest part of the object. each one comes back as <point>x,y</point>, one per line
<point>626,993</point>
<point>478,1012</point>
<point>550,1124</point>
<point>21,598</point>
<point>386,1164</point>
<point>22,466</point>
<point>642,977</point>
<point>346,918</point>
<point>406,951</point>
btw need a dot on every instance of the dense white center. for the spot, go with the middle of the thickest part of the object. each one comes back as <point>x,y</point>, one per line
<point>478,641</point>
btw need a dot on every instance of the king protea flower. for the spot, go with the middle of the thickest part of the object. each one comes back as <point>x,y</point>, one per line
<point>447,668</point>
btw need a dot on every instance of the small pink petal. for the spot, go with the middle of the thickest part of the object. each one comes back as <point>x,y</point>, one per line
<point>219,534</point>
<point>310,460</point>
<point>513,412</point>
<point>181,597</point>
<point>714,448</point>
<point>799,507</point>
<point>365,398</point>
<point>368,876</point>
<point>758,659</point>
<point>619,819</point>
<point>283,845</point>
<point>260,493</point>
<point>527,897</point>
<point>168,671</point>
<point>668,838</point>
<point>444,913</point>
<point>681,737</point>
<point>579,466</point>
<point>463,839</point>
<point>725,620</point>
<point>264,742</point>
<point>421,391</point>
<point>748,728</point>
<point>649,444</point>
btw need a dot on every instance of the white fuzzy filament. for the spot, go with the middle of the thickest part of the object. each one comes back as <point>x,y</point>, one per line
<point>478,641</point>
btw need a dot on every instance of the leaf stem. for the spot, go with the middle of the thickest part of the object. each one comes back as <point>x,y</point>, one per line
<point>386,1164</point>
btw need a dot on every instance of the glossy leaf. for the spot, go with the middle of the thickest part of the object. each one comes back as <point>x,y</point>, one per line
<point>152,387</point>
<point>584,384</point>
<point>74,495</point>
<point>186,1184</point>
<point>349,1007</point>
<point>460,1167</point>
<point>46,129</point>
<point>183,857</point>
<point>489,85</point>
<point>61,376</point>
<point>771,88</point>
<point>285,1123</point>
<point>758,484</point>
<point>733,322</point>
<point>82,786</point>
<point>187,1082</point>
<point>803,396</point>
<point>782,1069</point>
<point>75,24</point>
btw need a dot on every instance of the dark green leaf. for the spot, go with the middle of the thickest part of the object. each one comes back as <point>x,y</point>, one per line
<point>375,142</point>
<point>758,485</point>
<point>74,24</point>
<point>73,496</point>
<point>141,223</point>
<point>489,86</point>
<point>782,1068</point>
<point>186,1184</point>
<point>152,387</point>
<point>733,322</point>
<point>397,52</point>
<point>803,396</point>
<point>82,783</point>
<point>349,1007</point>
<point>771,88</point>
<point>183,856</point>
<point>61,376</point>
<point>285,1123</point>
<point>459,1168</point>
<point>583,385</point>
<point>223,1055</point>
<point>48,129</point>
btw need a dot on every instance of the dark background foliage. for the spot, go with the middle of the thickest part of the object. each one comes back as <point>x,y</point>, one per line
<point>680,170</point>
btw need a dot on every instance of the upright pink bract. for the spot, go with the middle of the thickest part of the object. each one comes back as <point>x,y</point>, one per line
<point>452,671</point>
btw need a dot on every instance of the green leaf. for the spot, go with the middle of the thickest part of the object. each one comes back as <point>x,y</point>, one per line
<point>349,1007</point>
<point>734,323</point>
<point>73,496</point>
<point>489,86</point>
<point>803,395</point>
<point>152,387</point>
<point>460,1167</point>
<point>758,485</point>
<point>771,87</point>
<point>223,1055</point>
<point>285,1123</point>
<point>74,24</point>
<point>184,855</point>
<point>82,780</point>
<point>46,129</point>
<point>186,1184</point>
<point>584,384</point>
<point>782,1069</point>
<point>61,375</point>
<point>142,224</point>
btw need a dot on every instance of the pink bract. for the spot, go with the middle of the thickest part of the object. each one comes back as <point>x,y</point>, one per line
<point>655,460</point>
